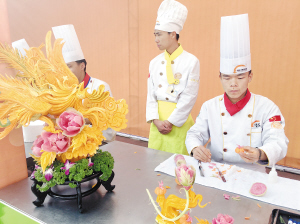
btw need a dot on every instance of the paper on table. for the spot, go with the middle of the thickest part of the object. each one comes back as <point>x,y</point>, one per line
<point>285,192</point>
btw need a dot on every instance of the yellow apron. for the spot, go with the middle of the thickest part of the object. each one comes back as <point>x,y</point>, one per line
<point>175,140</point>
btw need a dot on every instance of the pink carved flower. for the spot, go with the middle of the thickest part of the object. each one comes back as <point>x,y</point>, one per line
<point>223,219</point>
<point>37,146</point>
<point>90,162</point>
<point>67,166</point>
<point>179,160</point>
<point>49,174</point>
<point>186,219</point>
<point>71,122</point>
<point>189,218</point>
<point>36,168</point>
<point>55,142</point>
<point>161,185</point>
<point>185,175</point>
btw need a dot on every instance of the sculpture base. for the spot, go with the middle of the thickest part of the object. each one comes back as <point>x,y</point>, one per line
<point>79,195</point>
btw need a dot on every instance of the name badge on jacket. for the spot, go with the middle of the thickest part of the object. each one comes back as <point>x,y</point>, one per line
<point>171,91</point>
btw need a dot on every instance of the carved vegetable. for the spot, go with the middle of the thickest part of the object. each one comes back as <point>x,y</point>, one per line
<point>186,219</point>
<point>258,189</point>
<point>161,190</point>
<point>179,160</point>
<point>239,149</point>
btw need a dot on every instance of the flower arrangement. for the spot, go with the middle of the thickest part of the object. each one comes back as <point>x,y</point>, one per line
<point>173,208</point>
<point>170,206</point>
<point>45,89</point>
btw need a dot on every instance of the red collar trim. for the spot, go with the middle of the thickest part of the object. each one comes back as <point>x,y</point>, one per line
<point>86,80</point>
<point>234,108</point>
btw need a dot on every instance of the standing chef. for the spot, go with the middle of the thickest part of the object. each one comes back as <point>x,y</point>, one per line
<point>173,82</point>
<point>76,62</point>
<point>238,117</point>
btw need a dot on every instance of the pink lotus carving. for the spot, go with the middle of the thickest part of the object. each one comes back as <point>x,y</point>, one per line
<point>223,219</point>
<point>71,122</point>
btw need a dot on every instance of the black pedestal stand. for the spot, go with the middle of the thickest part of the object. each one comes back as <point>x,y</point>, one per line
<point>79,195</point>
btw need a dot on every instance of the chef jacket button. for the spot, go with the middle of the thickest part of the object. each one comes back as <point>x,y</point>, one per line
<point>225,133</point>
<point>249,115</point>
<point>162,62</point>
<point>225,150</point>
<point>176,81</point>
<point>223,114</point>
<point>167,98</point>
<point>161,73</point>
<point>248,134</point>
<point>159,85</point>
<point>172,62</point>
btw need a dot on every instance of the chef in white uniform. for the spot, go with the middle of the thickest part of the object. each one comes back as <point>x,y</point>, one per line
<point>173,82</point>
<point>239,117</point>
<point>75,60</point>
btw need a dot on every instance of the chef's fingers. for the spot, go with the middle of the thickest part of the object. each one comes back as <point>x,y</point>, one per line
<point>247,158</point>
<point>206,151</point>
<point>200,155</point>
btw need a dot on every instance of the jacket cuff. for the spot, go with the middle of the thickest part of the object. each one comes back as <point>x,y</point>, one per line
<point>175,122</point>
<point>263,162</point>
<point>149,119</point>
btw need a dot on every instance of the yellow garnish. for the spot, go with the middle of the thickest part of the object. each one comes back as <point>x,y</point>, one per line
<point>202,221</point>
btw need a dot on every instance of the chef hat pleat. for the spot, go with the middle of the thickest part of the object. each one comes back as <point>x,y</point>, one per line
<point>71,50</point>
<point>235,56</point>
<point>171,16</point>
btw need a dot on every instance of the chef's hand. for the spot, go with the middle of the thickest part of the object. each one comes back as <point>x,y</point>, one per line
<point>251,155</point>
<point>161,126</point>
<point>168,124</point>
<point>202,154</point>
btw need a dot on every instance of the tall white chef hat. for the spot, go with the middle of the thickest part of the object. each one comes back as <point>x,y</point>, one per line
<point>171,16</point>
<point>71,50</point>
<point>235,56</point>
<point>20,45</point>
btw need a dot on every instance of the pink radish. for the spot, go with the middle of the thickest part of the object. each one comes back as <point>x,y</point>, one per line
<point>258,189</point>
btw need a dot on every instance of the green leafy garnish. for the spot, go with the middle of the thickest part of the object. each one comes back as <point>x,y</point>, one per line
<point>103,161</point>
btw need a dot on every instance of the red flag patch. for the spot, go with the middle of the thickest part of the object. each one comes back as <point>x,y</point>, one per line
<point>149,76</point>
<point>275,118</point>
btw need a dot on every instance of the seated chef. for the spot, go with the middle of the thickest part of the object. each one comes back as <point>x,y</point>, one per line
<point>76,62</point>
<point>239,117</point>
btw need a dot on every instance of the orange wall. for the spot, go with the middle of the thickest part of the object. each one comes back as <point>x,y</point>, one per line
<point>12,153</point>
<point>117,40</point>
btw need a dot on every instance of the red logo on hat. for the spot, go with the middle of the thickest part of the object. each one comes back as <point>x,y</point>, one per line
<point>239,69</point>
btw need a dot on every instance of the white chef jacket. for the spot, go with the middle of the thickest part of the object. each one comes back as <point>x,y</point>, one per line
<point>187,67</point>
<point>94,84</point>
<point>226,132</point>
